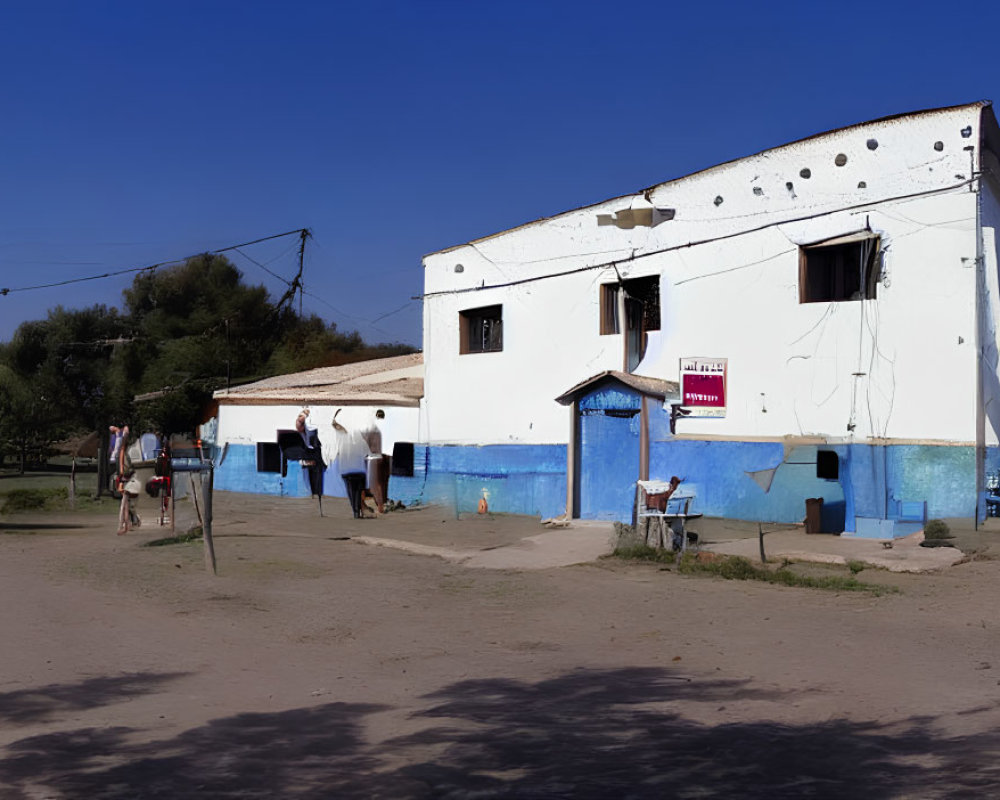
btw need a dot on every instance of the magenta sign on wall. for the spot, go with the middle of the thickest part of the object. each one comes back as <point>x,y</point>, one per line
<point>703,386</point>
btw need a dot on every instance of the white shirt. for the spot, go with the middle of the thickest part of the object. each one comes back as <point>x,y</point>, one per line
<point>351,451</point>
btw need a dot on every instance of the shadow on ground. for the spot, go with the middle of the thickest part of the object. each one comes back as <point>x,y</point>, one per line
<point>47,702</point>
<point>586,734</point>
<point>46,526</point>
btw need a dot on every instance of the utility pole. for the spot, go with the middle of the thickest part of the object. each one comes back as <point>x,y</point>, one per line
<point>303,235</point>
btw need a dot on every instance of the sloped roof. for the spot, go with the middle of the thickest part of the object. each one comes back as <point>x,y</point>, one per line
<point>989,127</point>
<point>85,446</point>
<point>654,387</point>
<point>396,381</point>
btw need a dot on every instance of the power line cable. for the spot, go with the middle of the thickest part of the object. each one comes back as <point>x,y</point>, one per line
<point>659,251</point>
<point>269,272</point>
<point>149,268</point>
<point>407,304</point>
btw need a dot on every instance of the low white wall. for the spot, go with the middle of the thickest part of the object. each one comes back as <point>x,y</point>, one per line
<point>249,424</point>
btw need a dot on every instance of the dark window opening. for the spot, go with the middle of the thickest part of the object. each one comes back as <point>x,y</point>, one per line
<point>827,465</point>
<point>481,330</point>
<point>838,272</point>
<point>402,459</point>
<point>642,303</point>
<point>268,457</point>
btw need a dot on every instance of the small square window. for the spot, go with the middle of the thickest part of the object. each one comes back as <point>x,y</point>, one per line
<point>268,457</point>
<point>481,330</point>
<point>835,273</point>
<point>827,465</point>
<point>642,301</point>
<point>402,459</point>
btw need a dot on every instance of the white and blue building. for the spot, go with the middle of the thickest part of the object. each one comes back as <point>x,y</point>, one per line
<point>840,295</point>
<point>844,289</point>
<point>246,449</point>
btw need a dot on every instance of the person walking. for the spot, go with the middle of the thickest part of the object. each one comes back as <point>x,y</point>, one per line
<point>351,452</point>
<point>127,483</point>
<point>377,463</point>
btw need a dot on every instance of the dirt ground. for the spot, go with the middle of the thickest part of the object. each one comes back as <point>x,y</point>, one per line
<point>314,666</point>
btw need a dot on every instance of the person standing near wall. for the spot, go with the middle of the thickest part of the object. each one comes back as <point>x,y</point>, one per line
<point>351,452</point>
<point>377,462</point>
<point>313,461</point>
<point>127,484</point>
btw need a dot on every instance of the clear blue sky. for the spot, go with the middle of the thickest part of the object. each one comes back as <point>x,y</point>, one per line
<point>137,132</point>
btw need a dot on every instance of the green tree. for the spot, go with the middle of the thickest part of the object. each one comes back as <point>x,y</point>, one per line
<point>198,325</point>
<point>61,376</point>
<point>23,426</point>
<point>309,342</point>
<point>184,332</point>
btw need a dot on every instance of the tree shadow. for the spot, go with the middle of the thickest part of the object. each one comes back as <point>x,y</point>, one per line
<point>598,734</point>
<point>39,704</point>
<point>314,752</point>
<point>585,734</point>
<point>48,526</point>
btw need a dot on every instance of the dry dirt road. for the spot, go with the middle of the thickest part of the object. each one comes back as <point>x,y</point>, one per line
<point>313,666</point>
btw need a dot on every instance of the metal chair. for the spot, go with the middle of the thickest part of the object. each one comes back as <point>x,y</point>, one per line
<point>673,516</point>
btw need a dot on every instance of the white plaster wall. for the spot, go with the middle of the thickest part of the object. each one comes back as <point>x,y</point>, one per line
<point>798,361</point>
<point>991,306</point>
<point>239,424</point>
<point>551,342</point>
<point>729,288</point>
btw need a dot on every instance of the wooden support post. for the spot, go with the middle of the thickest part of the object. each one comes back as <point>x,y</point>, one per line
<point>644,439</point>
<point>623,324</point>
<point>207,524</point>
<point>571,477</point>
<point>194,499</point>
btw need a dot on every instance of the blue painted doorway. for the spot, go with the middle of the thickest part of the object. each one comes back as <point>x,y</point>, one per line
<point>608,430</point>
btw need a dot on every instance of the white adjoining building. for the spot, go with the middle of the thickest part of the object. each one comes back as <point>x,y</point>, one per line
<point>250,416</point>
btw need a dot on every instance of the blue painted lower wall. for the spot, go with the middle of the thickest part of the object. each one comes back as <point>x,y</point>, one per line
<point>514,478</point>
<point>875,482</point>
<point>236,471</point>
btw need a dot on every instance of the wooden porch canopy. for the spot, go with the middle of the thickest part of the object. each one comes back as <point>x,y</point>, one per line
<point>647,388</point>
<point>650,387</point>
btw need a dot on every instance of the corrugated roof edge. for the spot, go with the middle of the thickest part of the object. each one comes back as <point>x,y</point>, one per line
<point>655,387</point>
<point>318,400</point>
<point>981,104</point>
<point>279,386</point>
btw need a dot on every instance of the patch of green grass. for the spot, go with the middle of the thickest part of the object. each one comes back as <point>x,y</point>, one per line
<point>856,566</point>
<point>640,551</point>
<point>739,568</point>
<point>182,538</point>
<point>937,529</point>
<point>86,482</point>
<point>629,545</point>
<point>20,500</point>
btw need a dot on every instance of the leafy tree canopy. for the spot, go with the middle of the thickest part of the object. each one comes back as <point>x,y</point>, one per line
<point>184,332</point>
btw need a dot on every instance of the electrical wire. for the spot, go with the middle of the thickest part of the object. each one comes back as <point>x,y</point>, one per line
<point>407,304</point>
<point>4,291</point>
<point>736,269</point>
<point>269,272</point>
<point>696,243</point>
